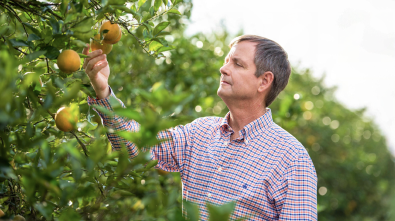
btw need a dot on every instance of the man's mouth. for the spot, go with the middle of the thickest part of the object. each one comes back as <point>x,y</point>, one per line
<point>224,82</point>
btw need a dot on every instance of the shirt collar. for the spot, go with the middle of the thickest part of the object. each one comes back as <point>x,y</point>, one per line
<point>252,129</point>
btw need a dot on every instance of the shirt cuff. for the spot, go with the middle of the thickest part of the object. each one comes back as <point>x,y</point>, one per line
<point>105,102</point>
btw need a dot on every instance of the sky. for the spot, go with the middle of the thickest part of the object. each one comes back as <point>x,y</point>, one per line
<point>351,42</point>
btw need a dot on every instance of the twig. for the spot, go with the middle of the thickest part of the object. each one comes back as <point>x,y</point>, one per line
<point>49,112</point>
<point>17,17</point>
<point>80,142</point>
<point>87,135</point>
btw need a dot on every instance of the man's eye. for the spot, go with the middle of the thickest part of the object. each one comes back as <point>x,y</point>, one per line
<point>239,65</point>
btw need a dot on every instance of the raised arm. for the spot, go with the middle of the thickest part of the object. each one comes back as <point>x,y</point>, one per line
<point>170,153</point>
<point>98,71</point>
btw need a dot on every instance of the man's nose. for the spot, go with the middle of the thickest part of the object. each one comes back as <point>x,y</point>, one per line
<point>224,70</point>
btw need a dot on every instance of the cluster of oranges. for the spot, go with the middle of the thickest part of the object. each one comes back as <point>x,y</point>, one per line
<point>113,35</point>
<point>69,61</point>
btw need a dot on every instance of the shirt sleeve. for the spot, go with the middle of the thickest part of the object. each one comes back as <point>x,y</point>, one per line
<point>172,152</point>
<point>296,196</point>
<point>169,153</point>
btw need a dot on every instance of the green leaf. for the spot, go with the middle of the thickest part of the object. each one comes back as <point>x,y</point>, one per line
<point>18,43</point>
<point>151,164</point>
<point>160,27</point>
<point>78,43</point>
<point>37,32</point>
<point>63,6</point>
<point>69,214</point>
<point>85,25</point>
<point>116,2</point>
<point>175,2</point>
<point>55,26</point>
<point>103,110</point>
<point>141,3</point>
<point>192,210</point>
<point>151,11</point>
<point>155,45</point>
<point>174,11</point>
<point>84,36</point>
<point>221,212</point>
<point>157,5</point>
<point>162,49</point>
<point>33,37</point>
<point>2,200</point>
<point>83,55</point>
<point>136,16</point>
<point>34,55</point>
<point>104,3</point>
<point>52,52</point>
<point>165,2</point>
<point>128,113</point>
<point>70,18</point>
<point>125,9</point>
<point>60,41</point>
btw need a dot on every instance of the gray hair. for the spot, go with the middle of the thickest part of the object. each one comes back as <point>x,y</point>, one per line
<point>269,56</point>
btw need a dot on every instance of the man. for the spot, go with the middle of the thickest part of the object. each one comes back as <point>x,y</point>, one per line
<point>244,156</point>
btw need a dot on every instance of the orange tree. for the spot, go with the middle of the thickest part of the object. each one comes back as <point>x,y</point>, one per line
<point>49,174</point>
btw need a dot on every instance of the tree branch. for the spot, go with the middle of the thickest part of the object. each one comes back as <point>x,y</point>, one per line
<point>80,142</point>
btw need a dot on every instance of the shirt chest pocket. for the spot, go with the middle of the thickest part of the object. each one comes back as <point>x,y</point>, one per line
<point>246,179</point>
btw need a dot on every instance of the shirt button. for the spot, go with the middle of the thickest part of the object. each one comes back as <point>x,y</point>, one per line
<point>209,194</point>
<point>246,141</point>
<point>226,143</point>
<point>219,169</point>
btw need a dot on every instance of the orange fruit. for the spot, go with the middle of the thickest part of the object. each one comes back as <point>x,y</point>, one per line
<point>19,218</point>
<point>113,32</point>
<point>1,213</point>
<point>114,41</point>
<point>96,45</point>
<point>68,61</point>
<point>64,120</point>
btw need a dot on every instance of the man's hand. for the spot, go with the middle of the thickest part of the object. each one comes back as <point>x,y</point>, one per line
<point>98,71</point>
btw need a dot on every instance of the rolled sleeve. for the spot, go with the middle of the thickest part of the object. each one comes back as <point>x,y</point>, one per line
<point>116,123</point>
<point>171,152</point>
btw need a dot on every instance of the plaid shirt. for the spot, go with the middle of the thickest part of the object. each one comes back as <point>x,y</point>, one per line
<point>266,171</point>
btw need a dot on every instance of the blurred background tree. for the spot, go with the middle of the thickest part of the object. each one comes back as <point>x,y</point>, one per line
<point>45,174</point>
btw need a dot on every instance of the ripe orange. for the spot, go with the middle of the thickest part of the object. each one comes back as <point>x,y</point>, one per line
<point>64,120</point>
<point>19,218</point>
<point>114,41</point>
<point>69,61</point>
<point>111,37</point>
<point>96,45</point>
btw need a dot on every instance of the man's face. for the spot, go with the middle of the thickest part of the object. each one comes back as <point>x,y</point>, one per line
<point>238,80</point>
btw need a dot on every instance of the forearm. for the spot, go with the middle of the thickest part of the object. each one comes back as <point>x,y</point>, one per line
<point>116,123</point>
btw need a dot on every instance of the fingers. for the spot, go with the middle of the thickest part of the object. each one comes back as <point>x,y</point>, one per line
<point>86,49</point>
<point>93,62</point>
<point>92,73</point>
<point>91,55</point>
<point>98,67</point>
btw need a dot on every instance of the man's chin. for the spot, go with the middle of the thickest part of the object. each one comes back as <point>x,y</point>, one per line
<point>222,93</point>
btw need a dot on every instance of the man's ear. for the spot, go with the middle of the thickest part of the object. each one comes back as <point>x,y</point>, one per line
<point>265,81</point>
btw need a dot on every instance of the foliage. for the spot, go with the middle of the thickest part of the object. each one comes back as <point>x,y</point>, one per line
<point>47,174</point>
